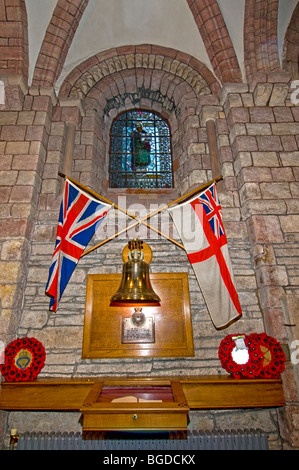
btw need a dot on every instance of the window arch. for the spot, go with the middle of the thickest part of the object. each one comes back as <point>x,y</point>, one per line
<point>140,151</point>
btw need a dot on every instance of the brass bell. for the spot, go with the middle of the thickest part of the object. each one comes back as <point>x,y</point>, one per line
<point>135,286</point>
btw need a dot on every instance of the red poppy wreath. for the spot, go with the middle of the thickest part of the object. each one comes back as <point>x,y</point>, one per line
<point>23,360</point>
<point>246,362</point>
<point>273,355</point>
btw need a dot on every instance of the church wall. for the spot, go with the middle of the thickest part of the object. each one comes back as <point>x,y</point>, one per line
<point>257,128</point>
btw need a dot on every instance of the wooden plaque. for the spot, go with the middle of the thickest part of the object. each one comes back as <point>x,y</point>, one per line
<point>102,336</point>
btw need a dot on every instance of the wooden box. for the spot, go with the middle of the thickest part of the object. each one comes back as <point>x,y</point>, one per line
<point>135,405</point>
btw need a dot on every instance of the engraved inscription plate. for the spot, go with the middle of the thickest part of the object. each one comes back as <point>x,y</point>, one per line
<point>138,333</point>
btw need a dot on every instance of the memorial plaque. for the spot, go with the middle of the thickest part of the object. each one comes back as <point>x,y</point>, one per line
<point>138,332</point>
<point>158,331</point>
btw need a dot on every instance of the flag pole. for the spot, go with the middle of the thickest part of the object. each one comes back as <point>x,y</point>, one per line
<point>137,220</point>
<point>186,196</point>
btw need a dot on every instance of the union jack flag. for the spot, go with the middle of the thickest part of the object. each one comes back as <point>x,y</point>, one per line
<point>207,250</point>
<point>212,208</point>
<point>79,217</point>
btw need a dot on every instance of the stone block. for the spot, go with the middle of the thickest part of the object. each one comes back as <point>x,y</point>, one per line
<point>24,162</point>
<point>21,194</point>
<point>269,143</point>
<point>279,94</point>
<point>289,424</point>
<point>249,191</point>
<point>262,114</point>
<point>283,174</point>
<point>294,187</point>
<point>28,178</point>
<point>9,272</point>
<point>238,115</point>
<point>7,294</point>
<point>285,128</point>
<point>6,160</point>
<point>275,190</point>
<point>42,103</point>
<point>8,178</point>
<point>37,133</point>
<point>272,275</point>
<point>243,159</point>
<point>55,142</point>
<point>14,249</point>
<point>196,149</point>
<point>290,305</point>
<point>265,229</point>
<point>19,148</point>
<point>258,129</point>
<point>26,118</point>
<point>13,133</point>
<point>290,158</point>
<point>232,88</point>
<point>264,206</point>
<point>71,114</point>
<point>244,144</point>
<point>255,175</point>
<point>263,254</point>
<point>34,319</point>
<point>289,142</point>
<point>283,114</point>
<point>273,322</point>
<point>59,337</point>
<point>262,93</point>
<point>265,159</point>
<point>8,118</point>
<point>289,223</point>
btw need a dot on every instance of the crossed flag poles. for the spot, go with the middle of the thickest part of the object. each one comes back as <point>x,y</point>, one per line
<point>138,221</point>
<point>206,246</point>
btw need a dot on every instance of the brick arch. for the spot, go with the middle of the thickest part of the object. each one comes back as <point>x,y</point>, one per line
<point>290,59</point>
<point>149,89</point>
<point>14,34</point>
<point>143,57</point>
<point>155,90</point>
<point>260,37</point>
<point>215,36</point>
<point>58,38</point>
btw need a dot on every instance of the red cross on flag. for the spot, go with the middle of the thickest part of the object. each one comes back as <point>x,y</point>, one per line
<point>199,224</point>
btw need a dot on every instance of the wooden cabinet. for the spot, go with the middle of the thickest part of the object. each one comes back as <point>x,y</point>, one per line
<point>129,405</point>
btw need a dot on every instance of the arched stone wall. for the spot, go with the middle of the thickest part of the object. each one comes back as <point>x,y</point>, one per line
<point>260,37</point>
<point>84,76</point>
<point>215,36</point>
<point>58,38</point>
<point>147,77</point>
<point>291,46</point>
<point>14,38</point>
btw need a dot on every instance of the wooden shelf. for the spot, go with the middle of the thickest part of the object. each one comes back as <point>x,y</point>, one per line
<point>220,392</point>
<point>201,392</point>
<point>45,394</point>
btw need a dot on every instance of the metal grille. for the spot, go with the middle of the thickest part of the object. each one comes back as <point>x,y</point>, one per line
<point>140,151</point>
<point>247,439</point>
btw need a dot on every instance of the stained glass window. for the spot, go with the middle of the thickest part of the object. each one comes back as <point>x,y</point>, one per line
<point>140,151</point>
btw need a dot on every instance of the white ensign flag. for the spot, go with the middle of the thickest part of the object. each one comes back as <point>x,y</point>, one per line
<point>199,224</point>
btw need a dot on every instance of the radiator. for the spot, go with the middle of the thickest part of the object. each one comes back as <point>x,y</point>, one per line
<point>247,439</point>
